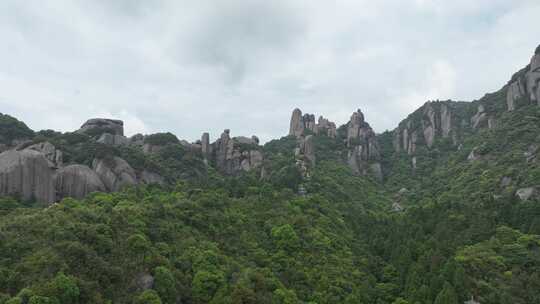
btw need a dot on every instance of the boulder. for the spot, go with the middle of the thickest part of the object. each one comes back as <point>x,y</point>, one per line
<point>103,125</point>
<point>525,194</point>
<point>530,154</point>
<point>77,181</point>
<point>49,151</point>
<point>27,174</point>
<point>113,140</point>
<point>115,173</point>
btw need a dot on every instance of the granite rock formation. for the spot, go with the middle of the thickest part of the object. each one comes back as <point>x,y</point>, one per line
<point>113,139</point>
<point>27,174</point>
<point>363,155</point>
<point>115,173</point>
<point>103,125</point>
<point>524,87</point>
<point>77,181</point>
<point>50,152</point>
<point>233,155</point>
<point>302,125</point>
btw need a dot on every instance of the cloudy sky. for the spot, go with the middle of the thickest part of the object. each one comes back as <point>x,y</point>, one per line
<point>194,66</point>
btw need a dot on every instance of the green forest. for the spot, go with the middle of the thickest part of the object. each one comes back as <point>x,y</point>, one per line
<point>461,235</point>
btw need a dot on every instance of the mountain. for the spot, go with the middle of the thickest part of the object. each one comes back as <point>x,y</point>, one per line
<point>445,208</point>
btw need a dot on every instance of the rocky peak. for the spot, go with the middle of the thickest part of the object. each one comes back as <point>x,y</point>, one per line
<point>103,125</point>
<point>524,88</point>
<point>233,155</point>
<point>302,125</point>
<point>434,119</point>
<point>363,156</point>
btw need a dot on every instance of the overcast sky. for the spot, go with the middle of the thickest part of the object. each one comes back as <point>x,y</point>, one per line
<point>193,66</point>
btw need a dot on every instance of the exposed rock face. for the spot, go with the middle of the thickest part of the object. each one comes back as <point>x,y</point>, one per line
<point>526,193</point>
<point>115,173</point>
<point>49,151</point>
<point>297,123</point>
<point>516,91</point>
<point>525,85</point>
<point>113,140</point>
<point>27,174</point>
<point>480,119</point>
<point>533,79</point>
<point>206,148</point>
<point>363,155</point>
<point>233,155</point>
<point>113,126</point>
<point>307,148</point>
<point>324,126</point>
<point>77,181</point>
<point>434,119</point>
<point>302,123</point>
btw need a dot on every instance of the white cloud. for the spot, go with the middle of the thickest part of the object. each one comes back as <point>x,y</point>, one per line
<point>194,66</point>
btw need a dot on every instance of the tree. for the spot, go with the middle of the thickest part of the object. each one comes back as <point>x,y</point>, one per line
<point>447,295</point>
<point>64,289</point>
<point>43,300</point>
<point>165,285</point>
<point>205,284</point>
<point>148,297</point>
<point>284,296</point>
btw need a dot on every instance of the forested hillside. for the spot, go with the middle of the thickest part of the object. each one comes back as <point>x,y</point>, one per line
<point>444,209</point>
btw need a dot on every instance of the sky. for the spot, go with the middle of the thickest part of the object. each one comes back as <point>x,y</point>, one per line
<point>189,67</point>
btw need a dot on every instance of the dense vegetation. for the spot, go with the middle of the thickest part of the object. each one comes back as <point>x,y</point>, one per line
<point>209,238</point>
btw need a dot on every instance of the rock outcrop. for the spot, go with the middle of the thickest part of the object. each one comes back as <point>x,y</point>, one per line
<point>363,156</point>
<point>27,174</point>
<point>103,125</point>
<point>302,125</point>
<point>50,152</point>
<point>482,119</point>
<point>435,119</point>
<point>77,181</point>
<point>524,87</point>
<point>115,173</point>
<point>113,139</point>
<point>237,154</point>
<point>525,194</point>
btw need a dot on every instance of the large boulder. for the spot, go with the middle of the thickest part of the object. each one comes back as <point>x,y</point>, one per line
<point>27,174</point>
<point>54,155</point>
<point>103,125</point>
<point>77,181</point>
<point>115,173</point>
